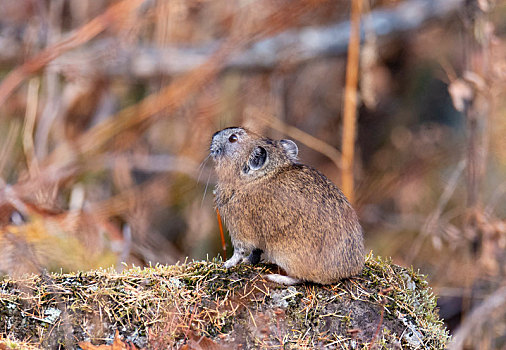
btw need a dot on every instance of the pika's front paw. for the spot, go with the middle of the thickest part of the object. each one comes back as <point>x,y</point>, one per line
<point>239,255</point>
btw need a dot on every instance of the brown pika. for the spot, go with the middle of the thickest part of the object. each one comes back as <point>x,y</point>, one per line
<point>287,211</point>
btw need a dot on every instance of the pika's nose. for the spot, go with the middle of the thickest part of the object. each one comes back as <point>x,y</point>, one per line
<point>215,150</point>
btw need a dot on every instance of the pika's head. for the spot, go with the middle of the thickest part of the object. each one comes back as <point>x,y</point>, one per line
<point>242,155</point>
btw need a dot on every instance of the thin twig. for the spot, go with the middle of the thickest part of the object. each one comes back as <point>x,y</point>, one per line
<point>380,322</point>
<point>430,224</point>
<point>383,302</point>
<point>476,111</point>
<point>495,302</point>
<point>291,131</point>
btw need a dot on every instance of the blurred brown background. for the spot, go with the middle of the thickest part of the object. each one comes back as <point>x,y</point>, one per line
<point>107,109</point>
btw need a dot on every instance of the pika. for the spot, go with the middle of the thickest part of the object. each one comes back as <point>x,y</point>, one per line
<point>284,210</point>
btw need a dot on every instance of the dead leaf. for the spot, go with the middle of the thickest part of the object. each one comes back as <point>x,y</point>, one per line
<point>461,93</point>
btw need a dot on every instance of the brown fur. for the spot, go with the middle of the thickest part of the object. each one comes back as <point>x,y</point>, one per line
<point>299,219</point>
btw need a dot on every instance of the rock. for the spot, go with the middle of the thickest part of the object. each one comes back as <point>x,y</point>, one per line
<point>182,306</point>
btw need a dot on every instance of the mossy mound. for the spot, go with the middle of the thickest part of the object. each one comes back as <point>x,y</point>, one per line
<point>170,306</point>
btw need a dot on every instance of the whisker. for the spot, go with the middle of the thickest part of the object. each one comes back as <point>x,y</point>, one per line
<point>201,167</point>
<point>205,190</point>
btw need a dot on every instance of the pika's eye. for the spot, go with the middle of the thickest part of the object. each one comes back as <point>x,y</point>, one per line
<point>232,138</point>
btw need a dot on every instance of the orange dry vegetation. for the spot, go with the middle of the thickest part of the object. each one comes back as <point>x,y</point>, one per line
<point>107,109</point>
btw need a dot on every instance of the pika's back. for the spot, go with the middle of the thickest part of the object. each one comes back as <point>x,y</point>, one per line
<point>302,222</point>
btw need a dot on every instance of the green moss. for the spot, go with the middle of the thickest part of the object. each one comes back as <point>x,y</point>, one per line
<point>236,306</point>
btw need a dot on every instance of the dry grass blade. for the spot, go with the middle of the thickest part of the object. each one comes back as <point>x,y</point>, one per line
<point>222,236</point>
<point>31,114</point>
<point>7,146</point>
<point>350,101</point>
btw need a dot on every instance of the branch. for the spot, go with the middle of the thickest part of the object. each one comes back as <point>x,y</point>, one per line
<point>296,46</point>
<point>114,13</point>
<point>475,320</point>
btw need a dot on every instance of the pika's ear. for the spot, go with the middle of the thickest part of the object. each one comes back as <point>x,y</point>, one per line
<point>290,148</point>
<point>257,158</point>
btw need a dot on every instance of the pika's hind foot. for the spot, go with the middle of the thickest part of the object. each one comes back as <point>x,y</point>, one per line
<point>280,279</point>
